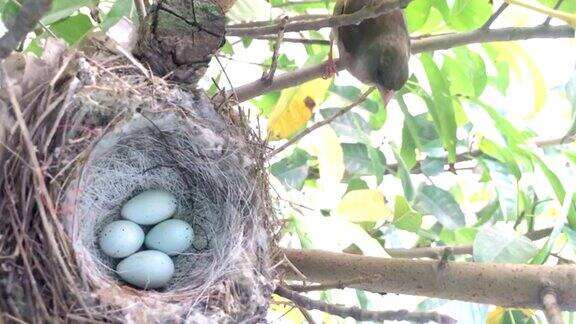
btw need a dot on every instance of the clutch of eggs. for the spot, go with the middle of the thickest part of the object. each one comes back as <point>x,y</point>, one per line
<point>152,268</point>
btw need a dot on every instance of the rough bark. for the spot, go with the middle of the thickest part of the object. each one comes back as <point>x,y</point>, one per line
<point>507,285</point>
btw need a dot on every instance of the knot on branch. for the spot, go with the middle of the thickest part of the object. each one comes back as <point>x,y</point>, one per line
<point>178,38</point>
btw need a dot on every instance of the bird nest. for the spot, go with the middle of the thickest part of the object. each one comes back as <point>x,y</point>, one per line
<point>89,132</point>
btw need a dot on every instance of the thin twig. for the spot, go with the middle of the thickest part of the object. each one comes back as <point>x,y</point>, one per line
<point>551,308</point>
<point>549,18</point>
<point>322,123</point>
<point>431,43</point>
<point>30,13</point>
<point>297,40</point>
<point>436,252</point>
<point>495,16</point>
<point>361,314</point>
<point>269,76</point>
<point>252,24</point>
<point>367,12</point>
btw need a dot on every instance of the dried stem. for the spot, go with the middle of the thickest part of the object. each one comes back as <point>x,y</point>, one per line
<point>360,314</point>
<point>268,77</point>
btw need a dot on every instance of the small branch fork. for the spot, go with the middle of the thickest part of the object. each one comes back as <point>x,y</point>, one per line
<point>360,314</point>
<point>552,310</point>
<point>322,123</point>
<point>495,16</point>
<point>269,76</point>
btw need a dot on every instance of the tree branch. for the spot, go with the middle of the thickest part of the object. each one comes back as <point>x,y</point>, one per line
<point>430,43</point>
<point>360,314</point>
<point>30,13</point>
<point>437,251</point>
<point>467,156</point>
<point>316,24</point>
<point>507,285</point>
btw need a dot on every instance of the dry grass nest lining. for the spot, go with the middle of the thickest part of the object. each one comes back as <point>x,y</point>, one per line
<point>153,136</point>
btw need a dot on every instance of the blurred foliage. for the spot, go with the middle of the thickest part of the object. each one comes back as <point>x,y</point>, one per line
<point>449,162</point>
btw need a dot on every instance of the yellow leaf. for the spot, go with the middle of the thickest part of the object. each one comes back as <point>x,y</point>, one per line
<point>364,206</point>
<point>282,307</point>
<point>294,108</point>
<point>510,53</point>
<point>496,316</point>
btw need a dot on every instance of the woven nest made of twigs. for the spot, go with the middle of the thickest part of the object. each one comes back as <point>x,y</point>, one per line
<point>83,135</point>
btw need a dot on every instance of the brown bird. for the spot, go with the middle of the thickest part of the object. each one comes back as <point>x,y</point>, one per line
<point>377,50</point>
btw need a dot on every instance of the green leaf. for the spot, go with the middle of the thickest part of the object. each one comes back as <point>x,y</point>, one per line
<point>72,29</point>
<point>350,124</point>
<point>441,109</point>
<point>378,163</point>
<point>469,14</point>
<point>64,8</point>
<point>466,73</point>
<point>513,136</point>
<point>358,160</point>
<point>352,94</point>
<point>356,184</point>
<point>410,136</point>
<point>506,187</point>
<point>417,13</point>
<point>567,206</point>
<point>557,186</point>
<point>501,80</point>
<point>267,102</point>
<point>121,8</point>
<point>501,154</point>
<point>501,244</point>
<point>432,166</point>
<point>431,200</point>
<point>408,148</point>
<point>460,236</point>
<point>405,217</point>
<point>293,170</point>
<point>404,175</point>
<point>488,212</point>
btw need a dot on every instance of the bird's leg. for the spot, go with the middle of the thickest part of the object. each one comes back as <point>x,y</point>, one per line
<point>330,68</point>
<point>564,16</point>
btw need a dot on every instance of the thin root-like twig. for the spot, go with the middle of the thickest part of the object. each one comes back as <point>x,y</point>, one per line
<point>361,314</point>
<point>269,76</point>
<point>495,16</point>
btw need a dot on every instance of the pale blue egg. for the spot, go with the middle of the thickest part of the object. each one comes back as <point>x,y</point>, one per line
<point>147,269</point>
<point>150,207</point>
<point>172,237</point>
<point>121,238</point>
